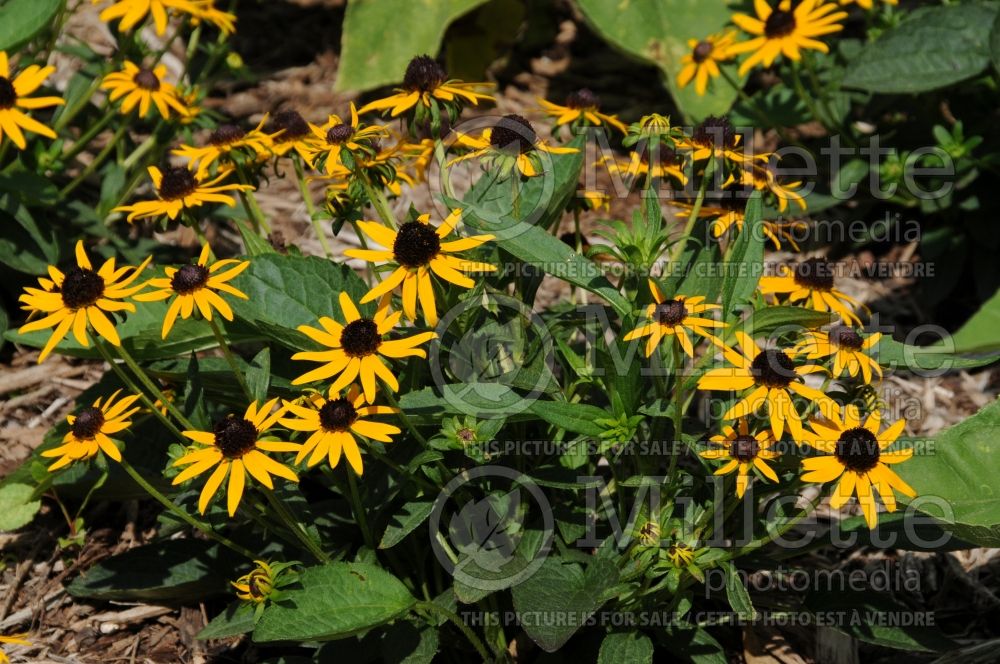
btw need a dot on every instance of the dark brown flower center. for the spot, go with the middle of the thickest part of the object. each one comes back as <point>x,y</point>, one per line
<point>226,134</point>
<point>659,153</point>
<point>8,95</point>
<point>88,423</point>
<point>337,415</point>
<point>701,51</point>
<point>235,436</point>
<point>360,338</point>
<point>583,98</point>
<point>177,182</point>
<point>81,288</point>
<point>291,125</point>
<point>846,337</point>
<point>189,279</point>
<point>147,80</point>
<point>671,312</point>
<point>857,449</point>
<point>338,134</point>
<point>744,448</point>
<point>416,244</point>
<point>514,134</point>
<point>779,24</point>
<point>714,132</point>
<point>466,435</point>
<point>814,273</point>
<point>772,368</point>
<point>424,74</point>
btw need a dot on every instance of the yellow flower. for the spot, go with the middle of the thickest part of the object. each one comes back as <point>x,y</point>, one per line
<point>729,212</point>
<point>133,12</point>
<point>857,455</point>
<point>811,282</point>
<point>224,144</point>
<point>702,62</point>
<point>426,83</point>
<point>763,177</point>
<point>335,134</point>
<point>90,428</point>
<point>14,639</point>
<point>784,30</point>
<point>867,4</point>
<point>206,11</point>
<point>675,317</point>
<point>289,131</point>
<point>511,143</point>
<point>847,348</point>
<point>716,137</point>
<point>417,157</point>
<point>144,88</point>
<point>14,95</point>
<point>582,108</point>
<point>418,250</point>
<point>357,348</point>
<point>79,298</point>
<point>652,159</point>
<point>256,586</point>
<point>743,452</point>
<point>235,447</point>
<point>179,189</point>
<point>334,423</point>
<point>680,554</point>
<point>195,286</point>
<point>774,379</point>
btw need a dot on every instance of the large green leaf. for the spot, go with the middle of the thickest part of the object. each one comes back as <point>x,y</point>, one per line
<point>933,48</point>
<point>287,291</point>
<point>368,59</point>
<point>334,601</point>
<point>956,479</point>
<point>183,570</point>
<point>625,648</point>
<point>658,32</point>
<point>980,332</point>
<point>562,588</point>
<point>20,20</point>
<point>900,356</point>
<point>747,259</point>
<point>18,505</point>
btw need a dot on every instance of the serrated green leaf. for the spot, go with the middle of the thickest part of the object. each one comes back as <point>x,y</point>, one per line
<point>403,522</point>
<point>238,618</point>
<point>625,648</point>
<point>737,593</point>
<point>575,417</point>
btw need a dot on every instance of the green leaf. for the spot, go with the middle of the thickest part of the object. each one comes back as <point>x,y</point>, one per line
<point>287,291</point>
<point>574,417</point>
<point>406,643</point>
<point>980,332</point>
<point>737,594</point>
<point>334,601</point>
<point>900,530</point>
<point>17,506</point>
<point>772,319</point>
<point>20,20</point>
<point>562,588</point>
<point>369,60</point>
<point>995,44</point>
<point>933,48</point>
<point>899,356</point>
<point>695,644</point>
<point>955,480</point>
<point>259,375</point>
<point>658,32</point>
<point>184,570</point>
<point>238,618</point>
<point>402,523</point>
<point>625,648</point>
<point>747,258</point>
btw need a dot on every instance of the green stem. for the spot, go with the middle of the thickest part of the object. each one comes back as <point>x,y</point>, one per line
<point>182,515</point>
<point>230,358</point>
<point>148,383</point>
<point>296,527</point>
<point>678,410</point>
<point>95,162</point>
<point>379,202</point>
<point>806,98</point>
<point>785,527</point>
<point>450,616</point>
<point>80,144</point>
<point>359,510</point>
<point>695,211</point>
<point>391,398</point>
<point>310,206</point>
<point>250,203</point>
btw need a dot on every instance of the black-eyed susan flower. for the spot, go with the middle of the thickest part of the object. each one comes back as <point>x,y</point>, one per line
<point>730,212</point>
<point>256,586</point>
<point>80,300</point>
<point>676,317</point>
<point>179,189</point>
<point>90,428</point>
<point>849,350</point>
<point>235,447</point>
<point>867,4</point>
<point>811,282</point>
<point>289,131</point>
<point>743,452</point>
<point>133,12</point>
<point>420,250</point>
<point>679,554</point>
<point>334,422</point>
<point>787,30</point>
<point>771,378</point>
<point>701,62</point>
<point>228,144</point>
<point>426,84</point>
<point>335,135</point>
<point>582,108</point>
<point>207,12</point>
<point>717,137</point>
<point>651,159</point>
<point>511,143</point>
<point>358,347</point>
<point>14,96</point>
<point>195,286</point>
<point>856,453</point>
<point>145,88</point>
<point>14,640</point>
<point>763,177</point>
